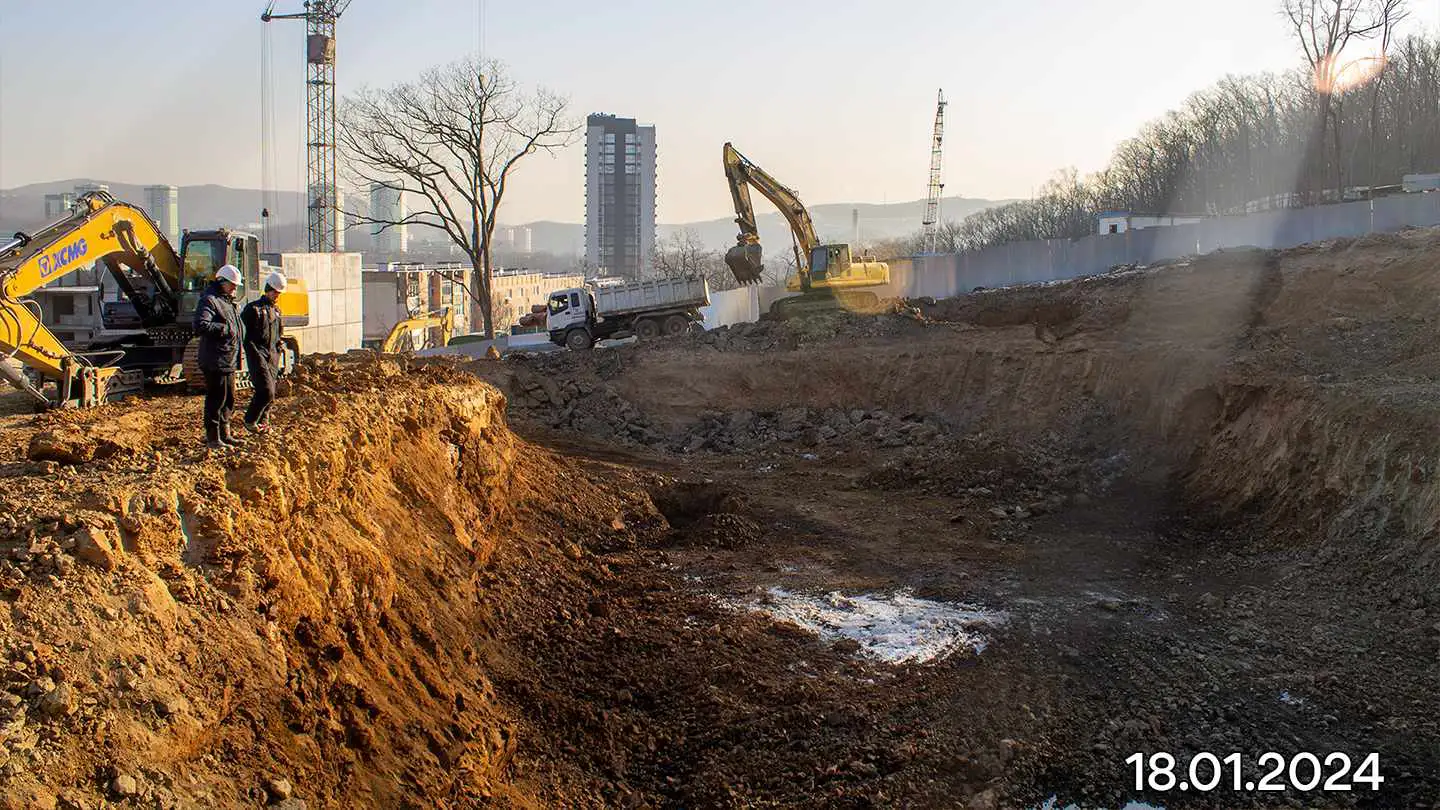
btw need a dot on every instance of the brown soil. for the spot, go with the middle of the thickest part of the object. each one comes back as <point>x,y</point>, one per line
<point>1204,495</point>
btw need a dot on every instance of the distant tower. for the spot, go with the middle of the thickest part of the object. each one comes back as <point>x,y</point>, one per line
<point>388,204</point>
<point>162,203</point>
<point>86,188</point>
<point>619,195</point>
<point>932,205</point>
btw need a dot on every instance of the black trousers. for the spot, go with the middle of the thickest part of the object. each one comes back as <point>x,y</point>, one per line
<point>262,376</point>
<point>219,403</point>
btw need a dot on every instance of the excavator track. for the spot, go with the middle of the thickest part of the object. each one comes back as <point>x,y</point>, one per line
<point>195,379</point>
<point>820,302</point>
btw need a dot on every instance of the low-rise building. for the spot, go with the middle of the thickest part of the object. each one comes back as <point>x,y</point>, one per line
<point>397,291</point>
<point>1122,221</point>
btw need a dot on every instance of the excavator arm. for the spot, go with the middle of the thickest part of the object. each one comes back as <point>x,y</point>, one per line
<point>130,246</point>
<point>745,258</point>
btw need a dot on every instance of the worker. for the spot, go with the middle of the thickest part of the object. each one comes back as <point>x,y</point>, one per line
<point>217,322</point>
<point>263,334</point>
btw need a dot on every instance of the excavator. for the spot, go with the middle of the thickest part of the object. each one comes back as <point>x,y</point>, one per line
<point>163,285</point>
<point>826,275</point>
<point>443,319</point>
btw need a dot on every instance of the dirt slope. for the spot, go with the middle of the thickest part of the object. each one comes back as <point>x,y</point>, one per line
<point>316,608</point>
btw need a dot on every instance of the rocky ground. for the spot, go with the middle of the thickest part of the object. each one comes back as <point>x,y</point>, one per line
<point>1199,500</point>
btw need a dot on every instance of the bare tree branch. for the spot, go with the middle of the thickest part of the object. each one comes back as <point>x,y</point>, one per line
<point>450,141</point>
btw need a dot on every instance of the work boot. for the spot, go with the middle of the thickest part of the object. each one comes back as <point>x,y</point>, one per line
<point>233,439</point>
<point>217,444</point>
<point>259,429</point>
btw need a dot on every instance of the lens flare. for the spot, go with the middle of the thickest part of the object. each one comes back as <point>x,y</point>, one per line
<point>1338,73</point>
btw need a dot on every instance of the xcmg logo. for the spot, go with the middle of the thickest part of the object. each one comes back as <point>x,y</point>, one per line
<point>52,264</point>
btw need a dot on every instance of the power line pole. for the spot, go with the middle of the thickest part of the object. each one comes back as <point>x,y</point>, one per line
<point>930,229</point>
<point>320,17</point>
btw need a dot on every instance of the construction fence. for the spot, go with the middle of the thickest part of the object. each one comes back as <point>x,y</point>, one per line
<point>949,274</point>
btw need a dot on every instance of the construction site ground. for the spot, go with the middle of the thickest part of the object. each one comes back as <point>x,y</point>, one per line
<point>1187,509</point>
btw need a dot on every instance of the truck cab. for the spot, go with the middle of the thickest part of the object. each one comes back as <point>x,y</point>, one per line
<point>570,316</point>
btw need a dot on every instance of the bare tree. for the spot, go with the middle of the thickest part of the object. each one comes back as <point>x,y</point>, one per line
<point>682,254</point>
<point>451,141</point>
<point>1392,13</point>
<point>1324,28</point>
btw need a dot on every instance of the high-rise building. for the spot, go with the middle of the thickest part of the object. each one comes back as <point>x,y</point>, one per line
<point>58,205</point>
<point>619,195</point>
<point>162,203</point>
<point>85,188</point>
<point>388,204</point>
<point>338,199</point>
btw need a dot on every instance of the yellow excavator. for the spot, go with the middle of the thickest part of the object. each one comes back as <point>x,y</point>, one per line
<point>163,285</point>
<point>827,276</point>
<point>443,319</point>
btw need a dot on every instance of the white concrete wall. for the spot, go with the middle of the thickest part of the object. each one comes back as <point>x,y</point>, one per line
<point>336,313</point>
<point>732,306</point>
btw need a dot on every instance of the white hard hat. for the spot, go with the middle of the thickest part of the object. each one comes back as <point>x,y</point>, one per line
<point>276,281</point>
<point>228,273</point>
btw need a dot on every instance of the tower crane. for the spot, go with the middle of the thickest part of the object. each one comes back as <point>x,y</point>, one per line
<point>931,223</point>
<point>320,17</point>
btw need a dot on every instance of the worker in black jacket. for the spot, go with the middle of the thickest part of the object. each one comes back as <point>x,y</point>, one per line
<point>217,323</point>
<point>263,345</point>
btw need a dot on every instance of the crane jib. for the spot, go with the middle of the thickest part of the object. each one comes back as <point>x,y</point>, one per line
<point>56,263</point>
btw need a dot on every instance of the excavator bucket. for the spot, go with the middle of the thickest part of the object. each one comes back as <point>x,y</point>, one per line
<point>745,262</point>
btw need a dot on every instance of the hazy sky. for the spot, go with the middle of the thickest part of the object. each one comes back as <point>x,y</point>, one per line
<point>835,97</point>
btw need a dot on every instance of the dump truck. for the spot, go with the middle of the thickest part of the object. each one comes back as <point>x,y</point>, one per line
<point>580,316</point>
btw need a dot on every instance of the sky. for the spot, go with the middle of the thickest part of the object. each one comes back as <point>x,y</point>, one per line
<point>836,98</point>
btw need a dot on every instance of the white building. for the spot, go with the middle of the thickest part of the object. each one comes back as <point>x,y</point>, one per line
<point>519,239</point>
<point>1122,221</point>
<point>620,160</point>
<point>162,203</point>
<point>58,205</point>
<point>388,204</point>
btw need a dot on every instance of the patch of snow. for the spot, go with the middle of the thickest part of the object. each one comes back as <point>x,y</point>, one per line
<point>1053,804</point>
<point>896,628</point>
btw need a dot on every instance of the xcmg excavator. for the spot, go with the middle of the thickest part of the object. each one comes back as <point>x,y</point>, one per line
<point>164,287</point>
<point>826,276</point>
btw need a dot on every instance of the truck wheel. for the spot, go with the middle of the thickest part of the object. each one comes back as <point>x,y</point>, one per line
<point>646,329</point>
<point>578,339</point>
<point>676,325</point>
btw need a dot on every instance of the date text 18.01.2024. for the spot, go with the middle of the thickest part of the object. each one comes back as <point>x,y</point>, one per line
<point>1269,772</point>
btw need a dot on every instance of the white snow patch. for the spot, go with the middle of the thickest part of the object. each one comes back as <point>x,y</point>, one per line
<point>1052,804</point>
<point>896,628</point>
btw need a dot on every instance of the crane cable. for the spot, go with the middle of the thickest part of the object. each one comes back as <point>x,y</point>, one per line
<point>267,125</point>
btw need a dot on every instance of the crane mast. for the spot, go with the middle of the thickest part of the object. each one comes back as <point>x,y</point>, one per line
<point>323,219</point>
<point>932,205</point>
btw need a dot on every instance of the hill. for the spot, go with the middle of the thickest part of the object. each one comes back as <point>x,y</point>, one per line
<point>208,206</point>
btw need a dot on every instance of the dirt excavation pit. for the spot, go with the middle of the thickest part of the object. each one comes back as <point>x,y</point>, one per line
<point>970,553</point>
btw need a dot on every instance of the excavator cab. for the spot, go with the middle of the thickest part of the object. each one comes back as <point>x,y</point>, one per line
<point>202,253</point>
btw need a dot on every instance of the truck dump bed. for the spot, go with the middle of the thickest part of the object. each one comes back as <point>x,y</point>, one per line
<point>651,296</point>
